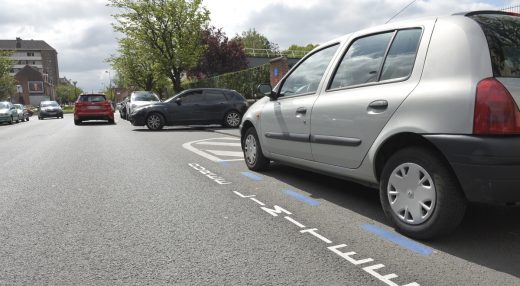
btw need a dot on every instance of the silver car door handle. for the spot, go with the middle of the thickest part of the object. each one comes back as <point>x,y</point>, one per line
<point>301,110</point>
<point>378,104</point>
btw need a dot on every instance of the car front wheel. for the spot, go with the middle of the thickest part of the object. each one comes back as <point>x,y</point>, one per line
<point>155,121</point>
<point>253,155</point>
<point>420,195</point>
<point>232,119</point>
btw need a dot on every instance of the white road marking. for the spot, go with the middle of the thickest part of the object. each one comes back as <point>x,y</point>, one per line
<point>218,144</point>
<point>257,201</point>
<point>243,196</point>
<point>216,178</point>
<point>346,255</point>
<point>313,232</point>
<point>226,153</point>
<point>294,222</point>
<point>214,157</point>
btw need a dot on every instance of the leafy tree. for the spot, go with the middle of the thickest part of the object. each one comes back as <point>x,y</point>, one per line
<point>7,82</point>
<point>251,39</point>
<point>172,30</point>
<point>298,51</point>
<point>67,93</point>
<point>136,66</point>
<point>222,55</point>
<point>307,48</point>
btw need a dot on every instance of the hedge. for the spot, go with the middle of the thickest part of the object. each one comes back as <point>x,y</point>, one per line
<point>245,81</point>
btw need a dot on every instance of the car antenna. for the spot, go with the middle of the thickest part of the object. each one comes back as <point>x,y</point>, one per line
<point>400,11</point>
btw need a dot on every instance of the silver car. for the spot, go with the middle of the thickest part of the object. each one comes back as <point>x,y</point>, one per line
<point>425,110</point>
<point>138,99</point>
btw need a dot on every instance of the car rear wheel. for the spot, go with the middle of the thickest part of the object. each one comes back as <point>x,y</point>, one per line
<point>11,121</point>
<point>77,122</point>
<point>420,195</point>
<point>155,121</point>
<point>253,155</point>
<point>232,119</point>
<point>111,121</point>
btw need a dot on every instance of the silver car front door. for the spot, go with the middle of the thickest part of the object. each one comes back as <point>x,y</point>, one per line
<point>375,75</point>
<point>285,122</point>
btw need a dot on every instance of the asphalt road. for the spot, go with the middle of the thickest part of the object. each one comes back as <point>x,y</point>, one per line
<point>101,204</point>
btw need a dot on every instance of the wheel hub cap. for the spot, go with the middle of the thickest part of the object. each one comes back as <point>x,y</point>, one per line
<point>250,149</point>
<point>411,193</point>
<point>233,119</point>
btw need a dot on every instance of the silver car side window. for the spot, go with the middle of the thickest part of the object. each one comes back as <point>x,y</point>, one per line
<point>362,62</point>
<point>401,56</point>
<point>307,75</point>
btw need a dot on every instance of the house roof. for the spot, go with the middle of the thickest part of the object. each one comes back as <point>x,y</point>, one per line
<point>26,45</point>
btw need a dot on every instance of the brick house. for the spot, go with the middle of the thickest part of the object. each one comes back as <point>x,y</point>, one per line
<point>38,56</point>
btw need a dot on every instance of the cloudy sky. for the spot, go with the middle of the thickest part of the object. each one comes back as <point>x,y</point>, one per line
<point>80,30</point>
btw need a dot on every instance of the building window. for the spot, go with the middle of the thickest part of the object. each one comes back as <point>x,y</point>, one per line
<point>30,54</point>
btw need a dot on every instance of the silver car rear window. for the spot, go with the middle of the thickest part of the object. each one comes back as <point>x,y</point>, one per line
<point>502,32</point>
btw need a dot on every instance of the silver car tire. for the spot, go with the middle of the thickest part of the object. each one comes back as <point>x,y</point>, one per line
<point>420,195</point>
<point>253,156</point>
<point>155,121</point>
<point>232,119</point>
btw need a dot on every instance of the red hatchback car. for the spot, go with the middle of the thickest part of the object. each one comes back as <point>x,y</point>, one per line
<point>93,107</point>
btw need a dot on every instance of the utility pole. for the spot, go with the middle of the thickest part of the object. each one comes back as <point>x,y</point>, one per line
<point>75,92</point>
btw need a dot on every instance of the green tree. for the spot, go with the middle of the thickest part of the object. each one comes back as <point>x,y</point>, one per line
<point>67,93</point>
<point>136,66</point>
<point>172,30</point>
<point>298,51</point>
<point>7,82</point>
<point>251,39</point>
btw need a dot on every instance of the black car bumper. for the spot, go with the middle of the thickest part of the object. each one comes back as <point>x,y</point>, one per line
<point>488,168</point>
<point>137,119</point>
<point>44,114</point>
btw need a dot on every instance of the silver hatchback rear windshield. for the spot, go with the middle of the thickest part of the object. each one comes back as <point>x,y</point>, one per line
<point>503,36</point>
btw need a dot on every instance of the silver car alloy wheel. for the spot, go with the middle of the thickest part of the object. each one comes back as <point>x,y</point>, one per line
<point>154,121</point>
<point>411,193</point>
<point>233,119</point>
<point>250,148</point>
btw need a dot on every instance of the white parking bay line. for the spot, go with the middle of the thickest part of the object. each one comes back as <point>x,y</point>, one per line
<point>218,143</point>
<point>226,153</point>
<point>213,157</point>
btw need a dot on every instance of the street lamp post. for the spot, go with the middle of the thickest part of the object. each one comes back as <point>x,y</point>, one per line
<point>110,89</point>
<point>109,82</point>
<point>75,92</point>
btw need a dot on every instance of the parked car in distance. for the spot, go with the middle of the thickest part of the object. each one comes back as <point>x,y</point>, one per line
<point>93,107</point>
<point>50,109</point>
<point>139,98</point>
<point>8,112</point>
<point>122,108</point>
<point>193,107</point>
<point>425,110</point>
<point>23,115</point>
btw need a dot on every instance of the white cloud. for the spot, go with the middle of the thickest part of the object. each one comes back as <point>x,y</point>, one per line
<point>81,30</point>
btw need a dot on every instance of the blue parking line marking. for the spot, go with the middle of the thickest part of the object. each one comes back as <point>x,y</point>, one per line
<point>251,176</point>
<point>301,198</point>
<point>399,240</point>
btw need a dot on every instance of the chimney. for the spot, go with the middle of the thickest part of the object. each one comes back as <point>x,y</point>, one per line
<point>18,43</point>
